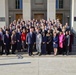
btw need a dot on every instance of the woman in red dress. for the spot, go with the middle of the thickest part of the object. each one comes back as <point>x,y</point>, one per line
<point>23,39</point>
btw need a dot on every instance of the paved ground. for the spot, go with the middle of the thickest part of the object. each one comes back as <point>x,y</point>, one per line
<point>44,65</point>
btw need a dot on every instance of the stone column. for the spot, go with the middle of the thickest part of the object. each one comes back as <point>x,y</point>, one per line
<point>51,9</point>
<point>73,15</point>
<point>27,9</point>
<point>4,16</point>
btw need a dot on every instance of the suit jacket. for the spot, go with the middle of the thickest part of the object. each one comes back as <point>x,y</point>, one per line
<point>44,39</point>
<point>1,39</point>
<point>55,40</point>
<point>30,39</point>
<point>67,40</point>
<point>43,32</point>
<point>7,39</point>
<point>18,37</point>
<point>38,38</point>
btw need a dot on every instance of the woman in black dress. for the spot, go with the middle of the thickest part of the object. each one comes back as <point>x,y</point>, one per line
<point>49,42</point>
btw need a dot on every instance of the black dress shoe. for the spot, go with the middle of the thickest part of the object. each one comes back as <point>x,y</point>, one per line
<point>13,53</point>
<point>1,53</point>
<point>29,54</point>
<point>7,54</point>
<point>39,54</point>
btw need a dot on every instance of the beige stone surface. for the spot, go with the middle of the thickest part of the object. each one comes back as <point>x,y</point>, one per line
<point>44,65</point>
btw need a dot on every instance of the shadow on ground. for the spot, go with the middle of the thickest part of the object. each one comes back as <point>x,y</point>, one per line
<point>7,64</point>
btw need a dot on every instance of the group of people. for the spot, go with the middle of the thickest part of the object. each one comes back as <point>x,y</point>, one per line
<point>43,37</point>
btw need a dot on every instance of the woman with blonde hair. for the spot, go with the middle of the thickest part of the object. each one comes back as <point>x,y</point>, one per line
<point>55,43</point>
<point>13,41</point>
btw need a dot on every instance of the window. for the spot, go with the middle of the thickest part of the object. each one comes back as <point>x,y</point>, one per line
<point>19,4</point>
<point>59,4</point>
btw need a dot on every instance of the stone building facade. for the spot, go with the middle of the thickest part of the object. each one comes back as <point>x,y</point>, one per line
<point>38,9</point>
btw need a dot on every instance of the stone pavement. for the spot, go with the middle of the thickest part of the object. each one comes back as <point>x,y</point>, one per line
<point>35,65</point>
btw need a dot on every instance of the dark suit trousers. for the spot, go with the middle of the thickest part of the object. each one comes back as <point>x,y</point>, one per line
<point>1,47</point>
<point>30,49</point>
<point>6,49</point>
<point>13,48</point>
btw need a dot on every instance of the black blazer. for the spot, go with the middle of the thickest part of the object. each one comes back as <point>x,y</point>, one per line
<point>7,40</point>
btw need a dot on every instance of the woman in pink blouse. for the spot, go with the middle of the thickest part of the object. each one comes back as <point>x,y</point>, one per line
<point>61,42</point>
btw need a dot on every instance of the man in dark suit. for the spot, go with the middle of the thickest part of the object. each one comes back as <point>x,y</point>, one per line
<point>18,42</point>
<point>43,30</point>
<point>18,39</point>
<point>30,41</point>
<point>1,41</point>
<point>7,40</point>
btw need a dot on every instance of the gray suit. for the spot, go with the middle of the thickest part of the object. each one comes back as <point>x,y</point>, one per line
<point>38,42</point>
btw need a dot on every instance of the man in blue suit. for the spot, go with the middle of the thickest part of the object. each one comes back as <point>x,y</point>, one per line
<point>30,41</point>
